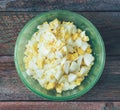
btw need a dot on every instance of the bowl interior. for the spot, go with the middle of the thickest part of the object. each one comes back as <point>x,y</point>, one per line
<point>95,41</point>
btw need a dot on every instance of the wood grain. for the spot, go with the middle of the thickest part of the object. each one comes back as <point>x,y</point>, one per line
<point>104,14</point>
<point>107,88</point>
<point>45,5</point>
<point>59,106</point>
<point>108,23</point>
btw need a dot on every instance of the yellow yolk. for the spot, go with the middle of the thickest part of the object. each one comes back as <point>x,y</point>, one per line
<point>50,86</point>
<point>89,50</point>
<point>67,36</point>
<point>79,31</point>
<point>59,87</point>
<point>80,51</point>
<point>72,56</point>
<point>34,47</point>
<point>52,76</point>
<point>75,36</point>
<point>27,59</point>
<point>78,81</point>
<point>47,61</point>
<point>83,63</point>
<point>85,38</point>
<point>41,39</point>
<point>40,63</point>
<point>53,50</point>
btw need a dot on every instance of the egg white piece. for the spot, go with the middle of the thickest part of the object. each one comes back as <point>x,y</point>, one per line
<point>82,34</point>
<point>72,77</point>
<point>88,59</point>
<point>58,54</point>
<point>39,72</point>
<point>65,48</point>
<point>84,46</point>
<point>47,67</point>
<point>63,61</point>
<point>83,70</point>
<point>43,50</point>
<point>51,55</point>
<point>72,86</point>
<point>70,49</point>
<point>68,28</point>
<point>59,72</point>
<point>57,62</point>
<point>58,43</point>
<point>74,29</point>
<point>49,37</point>
<point>49,79</point>
<point>78,42</point>
<point>79,60</point>
<point>71,42</point>
<point>67,67</point>
<point>29,72</point>
<point>33,65</point>
<point>50,72</point>
<point>62,80</point>
<point>54,24</point>
<point>31,43</point>
<point>74,66</point>
<point>42,81</point>
<point>66,86</point>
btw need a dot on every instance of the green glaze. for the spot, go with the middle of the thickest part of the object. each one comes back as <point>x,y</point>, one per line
<point>95,40</point>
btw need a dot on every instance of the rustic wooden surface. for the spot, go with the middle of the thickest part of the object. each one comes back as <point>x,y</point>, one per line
<point>104,14</point>
<point>45,5</point>
<point>107,88</point>
<point>60,106</point>
<point>108,23</point>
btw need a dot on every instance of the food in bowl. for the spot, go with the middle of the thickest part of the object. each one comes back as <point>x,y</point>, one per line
<point>58,55</point>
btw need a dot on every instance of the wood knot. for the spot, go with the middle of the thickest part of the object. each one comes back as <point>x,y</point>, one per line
<point>109,106</point>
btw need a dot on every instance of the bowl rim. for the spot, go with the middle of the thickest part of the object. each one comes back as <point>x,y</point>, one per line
<point>72,96</point>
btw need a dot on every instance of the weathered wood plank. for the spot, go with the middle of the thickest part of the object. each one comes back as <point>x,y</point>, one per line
<point>59,105</point>
<point>107,88</point>
<point>10,26</point>
<point>45,5</point>
<point>108,23</point>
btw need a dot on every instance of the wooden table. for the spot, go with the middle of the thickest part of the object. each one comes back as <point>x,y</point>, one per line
<point>104,14</point>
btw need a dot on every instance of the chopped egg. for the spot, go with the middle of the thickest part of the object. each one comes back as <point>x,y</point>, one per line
<point>80,51</point>
<point>72,77</point>
<point>59,87</point>
<point>74,67</point>
<point>66,86</point>
<point>88,59</point>
<point>58,72</point>
<point>78,42</point>
<point>50,85</point>
<point>89,50</point>
<point>29,72</point>
<point>67,67</point>
<point>58,56</point>
<point>79,60</point>
<point>83,70</point>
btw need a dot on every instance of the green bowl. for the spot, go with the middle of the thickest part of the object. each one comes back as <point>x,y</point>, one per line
<point>95,41</point>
